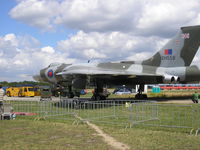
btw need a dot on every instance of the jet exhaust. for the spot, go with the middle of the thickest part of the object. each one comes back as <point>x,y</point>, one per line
<point>171,79</point>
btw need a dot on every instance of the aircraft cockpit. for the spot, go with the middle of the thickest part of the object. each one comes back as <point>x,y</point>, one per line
<point>54,64</point>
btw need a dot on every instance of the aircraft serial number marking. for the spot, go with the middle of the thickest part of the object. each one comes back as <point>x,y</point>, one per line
<point>168,58</point>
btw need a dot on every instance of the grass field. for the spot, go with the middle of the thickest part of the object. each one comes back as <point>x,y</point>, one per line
<point>28,134</point>
<point>44,135</point>
<point>59,132</point>
<point>162,94</point>
<point>111,113</point>
<point>151,139</point>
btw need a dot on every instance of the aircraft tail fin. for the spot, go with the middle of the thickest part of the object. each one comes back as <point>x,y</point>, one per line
<point>179,51</point>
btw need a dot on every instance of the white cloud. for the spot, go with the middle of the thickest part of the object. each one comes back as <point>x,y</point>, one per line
<point>26,57</point>
<point>139,56</point>
<point>98,15</point>
<point>37,13</point>
<point>11,45</point>
<point>167,16</point>
<point>48,49</point>
<point>91,53</point>
<point>43,59</point>
<point>108,46</point>
<point>12,39</point>
<point>106,30</point>
<point>142,17</point>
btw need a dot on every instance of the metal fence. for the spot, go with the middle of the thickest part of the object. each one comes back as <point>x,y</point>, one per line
<point>168,115</point>
<point>108,112</point>
<point>43,109</point>
<point>142,113</point>
<point>127,113</point>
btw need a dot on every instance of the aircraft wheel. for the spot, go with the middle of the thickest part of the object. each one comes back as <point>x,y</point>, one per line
<point>144,96</point>
<point>141,96</point>
<point>103,98</point>
<point>63,94</point>
<point>71,95</point>
<point>137,96</point>
<point>93,97</point>
<point>98,98</point>
<point>56,94</point>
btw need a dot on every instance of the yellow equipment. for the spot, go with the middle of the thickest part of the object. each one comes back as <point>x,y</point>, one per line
<point>12,91</point>
<point>22,91</point>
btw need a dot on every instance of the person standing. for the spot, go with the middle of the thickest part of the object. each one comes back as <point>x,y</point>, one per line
<point>1,101</point>
<point>2,93</point>
<point>195,97</point>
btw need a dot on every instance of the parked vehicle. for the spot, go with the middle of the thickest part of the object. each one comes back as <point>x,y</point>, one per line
<point>22,91</point>
<point>83,92</point>
<point>122,91</point>
<point>45,93</point>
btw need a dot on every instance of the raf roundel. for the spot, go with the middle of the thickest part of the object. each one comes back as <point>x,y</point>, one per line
<point>50,73</point>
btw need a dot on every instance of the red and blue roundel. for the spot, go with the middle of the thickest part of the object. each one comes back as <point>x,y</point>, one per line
<point>50,73</point>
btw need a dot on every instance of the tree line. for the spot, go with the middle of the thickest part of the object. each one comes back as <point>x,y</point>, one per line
<point>22,83</point>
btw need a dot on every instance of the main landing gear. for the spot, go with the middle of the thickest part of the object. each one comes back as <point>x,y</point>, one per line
<point>100,93</point>
<point>67,92</point>
<point>139,95</point>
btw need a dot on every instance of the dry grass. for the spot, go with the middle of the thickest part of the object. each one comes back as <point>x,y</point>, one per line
<point>163,94</point>
<point>27,134</point>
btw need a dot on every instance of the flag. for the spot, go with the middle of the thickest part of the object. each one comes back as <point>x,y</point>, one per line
<point>168,51</point>
<point>185,35</point>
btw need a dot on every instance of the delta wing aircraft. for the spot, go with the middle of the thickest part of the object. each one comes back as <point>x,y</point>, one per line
<point>169,65</point>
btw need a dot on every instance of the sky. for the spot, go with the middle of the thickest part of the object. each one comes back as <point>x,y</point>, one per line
<point>36,33</point>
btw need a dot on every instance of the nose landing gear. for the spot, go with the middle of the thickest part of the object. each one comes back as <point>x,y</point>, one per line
<point>100,93</point>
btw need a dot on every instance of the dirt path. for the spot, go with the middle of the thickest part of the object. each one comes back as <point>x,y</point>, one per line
<point>107,138</point>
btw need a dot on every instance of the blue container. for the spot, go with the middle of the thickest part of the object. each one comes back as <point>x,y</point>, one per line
<point>156,90</point>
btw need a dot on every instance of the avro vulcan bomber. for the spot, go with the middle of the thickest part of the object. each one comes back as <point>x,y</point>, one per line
<point>169,65</point>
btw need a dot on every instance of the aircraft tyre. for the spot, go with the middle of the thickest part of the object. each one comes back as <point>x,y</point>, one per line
<point>63,94</point>
<point>71,95</point>
<point>141,96</point>
<point>145,96</point>
<point>92,98</point>
<point>103,98</point>
<point>98,97</point>
<point>56,94</point>
<point>137,96</point>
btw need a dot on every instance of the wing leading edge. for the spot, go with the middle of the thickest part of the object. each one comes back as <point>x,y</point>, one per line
<point>114,74</point>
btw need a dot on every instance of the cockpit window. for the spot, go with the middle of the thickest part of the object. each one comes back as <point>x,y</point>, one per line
<point>54,64</point>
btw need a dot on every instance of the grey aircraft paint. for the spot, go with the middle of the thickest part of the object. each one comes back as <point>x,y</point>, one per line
<point>169,65</point>
<point>184,47</point>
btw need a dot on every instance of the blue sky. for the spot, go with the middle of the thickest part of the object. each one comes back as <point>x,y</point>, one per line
<point>10,25</point>
<point>35,33</point>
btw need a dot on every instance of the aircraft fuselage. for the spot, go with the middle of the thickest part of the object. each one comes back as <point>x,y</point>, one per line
<point>164,75</point>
